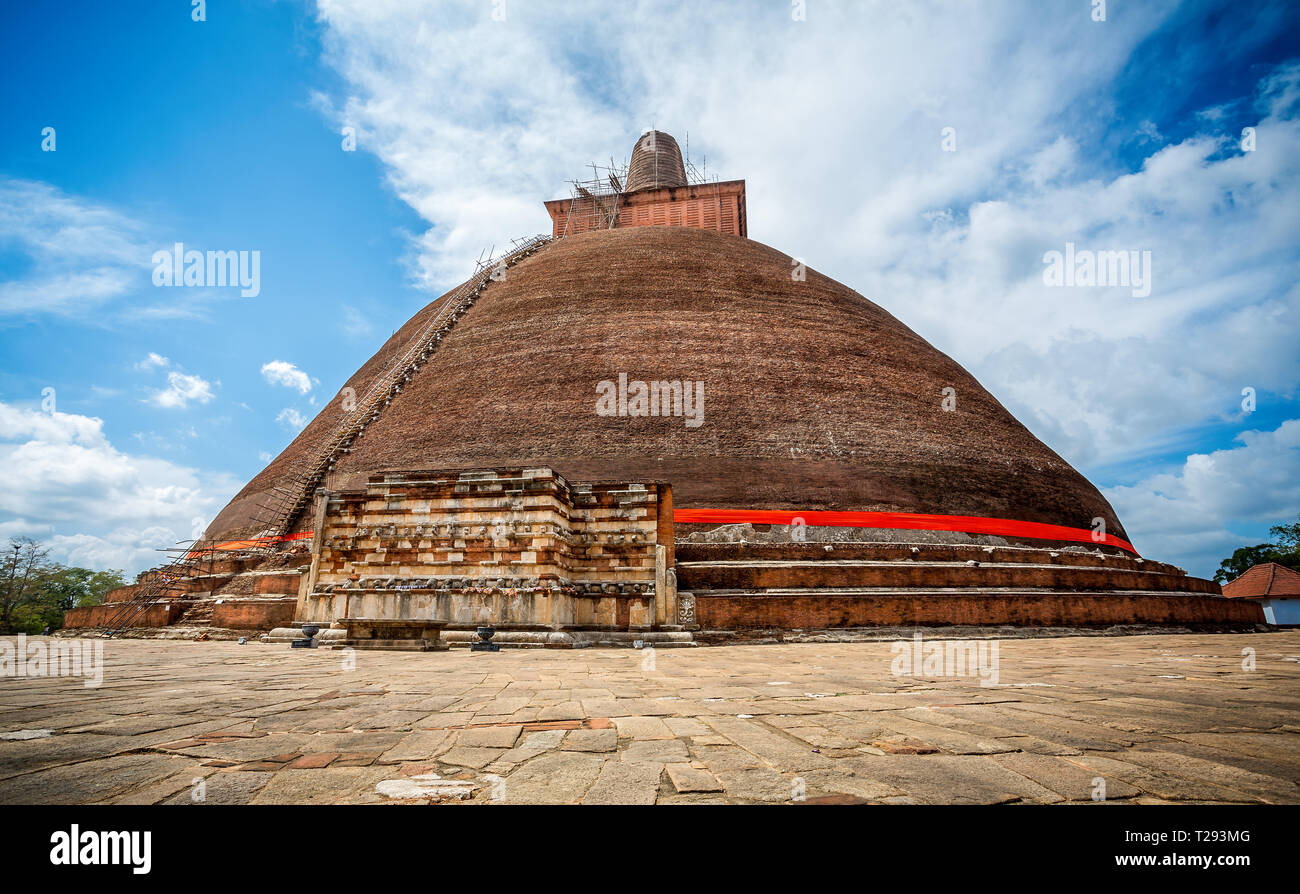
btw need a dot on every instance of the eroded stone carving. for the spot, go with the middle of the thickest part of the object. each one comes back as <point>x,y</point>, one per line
<point>686,609</point>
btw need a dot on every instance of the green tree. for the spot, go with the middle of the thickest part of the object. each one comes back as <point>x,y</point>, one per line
<point>1284,550</point>
<point>24,564</point>
<point>1287,537</point>
<point>35,592</point>
<point>72,587</point>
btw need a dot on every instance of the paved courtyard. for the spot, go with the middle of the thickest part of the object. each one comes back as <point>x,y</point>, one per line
<point>1151,718</point>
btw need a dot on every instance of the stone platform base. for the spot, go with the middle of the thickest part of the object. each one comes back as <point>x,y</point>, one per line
<point>409,644</point>
<point>337,637</point>
<point>812,585</point>
<point>327,637</point>
<point>772,635</point>
<point>243,592</point>
<point>794,609</point>
<point>175,632</point>
<point>399,635</point>
<point>573,639</point>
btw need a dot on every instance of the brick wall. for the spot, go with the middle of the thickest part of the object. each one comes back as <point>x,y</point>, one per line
<point>708,206</point>
<point>254,614</point>
<point>1036,610</point>
<point>159,615</point>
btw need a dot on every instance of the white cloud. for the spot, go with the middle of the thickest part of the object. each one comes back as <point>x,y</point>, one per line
<point>291,419</point>
<point>495,118</point>
<point>153,361</point>
<point>93,504</point>
<point>21,527</point>
<point>79,254</point>
<point>77,258</point>
<point>181,389</point>
<point>1184,516</point>
<point>280,372</point>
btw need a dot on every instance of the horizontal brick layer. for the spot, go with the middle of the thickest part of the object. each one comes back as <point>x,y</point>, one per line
<point>688,551</point>
<point>159,615</point>
<point>254,614</point>
<point>815,609</point>
<point>855,573</point>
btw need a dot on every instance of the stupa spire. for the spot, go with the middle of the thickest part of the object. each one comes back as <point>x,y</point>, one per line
<point>656,163</point>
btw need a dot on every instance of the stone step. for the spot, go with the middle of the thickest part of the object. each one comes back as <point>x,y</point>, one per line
<point>755,574</point>
<point>573,639</point>
<point>200,613</point>
<point>833,607</point>
<point>915,592</point>
<point>687,552</point>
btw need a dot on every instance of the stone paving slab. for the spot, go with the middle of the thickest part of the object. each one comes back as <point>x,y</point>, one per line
<point>1157,718</point>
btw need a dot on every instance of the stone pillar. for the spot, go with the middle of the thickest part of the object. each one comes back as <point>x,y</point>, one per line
<point>665,560</point>
<point>665,589</point>
<point>308,581</point>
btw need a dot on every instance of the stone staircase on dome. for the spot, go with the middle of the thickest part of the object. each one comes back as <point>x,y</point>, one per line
<point>157,596</point>
<point>289,502</point>
<point>747,588</point>
<point>199,614</point>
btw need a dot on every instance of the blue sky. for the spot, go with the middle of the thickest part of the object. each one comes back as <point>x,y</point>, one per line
<point>225,134</point>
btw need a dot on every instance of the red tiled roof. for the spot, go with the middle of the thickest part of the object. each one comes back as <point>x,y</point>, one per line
<point>1267,579</point>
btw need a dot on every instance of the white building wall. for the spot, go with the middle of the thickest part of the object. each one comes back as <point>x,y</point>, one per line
<point>1282,611</point>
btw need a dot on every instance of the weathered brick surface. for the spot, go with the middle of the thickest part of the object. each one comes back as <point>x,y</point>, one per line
<point>815,610</point>
<point>159,615</point>
<point>815,398</point>
<point>689,551</point>
<point>254,614</point>
<point>484,527</point>
<point>713,206</point>
<point>286,583</point>
<point>904,575</point>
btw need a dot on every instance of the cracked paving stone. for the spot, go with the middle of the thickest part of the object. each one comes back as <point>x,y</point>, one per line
<point>225,788</point>
<point>759,785</point>
<point>670,751</point>
<point>474,758</point>
<point>625,783</point>
<point>419,745</point>
<point>489,737</point>
<point>558,777</point>
<point>642,728</point>
<point>595,740</point>
<point>686,779</point>
<point>93,781</point>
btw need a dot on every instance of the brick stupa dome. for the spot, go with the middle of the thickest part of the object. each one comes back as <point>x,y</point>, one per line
<point>815,398</point>
<point>523,454</point>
